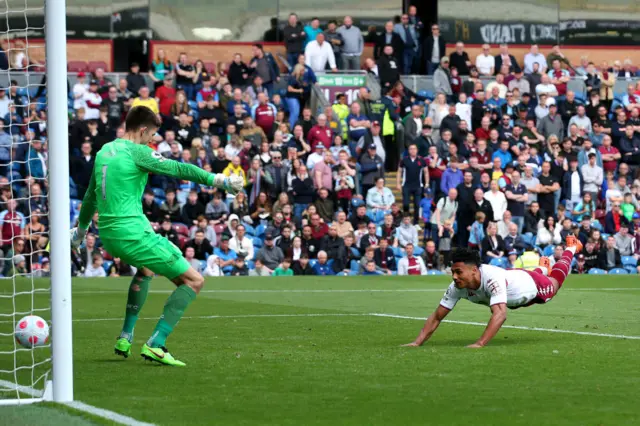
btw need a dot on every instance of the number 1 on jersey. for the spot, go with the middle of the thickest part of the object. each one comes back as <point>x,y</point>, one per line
<point>104,181</point>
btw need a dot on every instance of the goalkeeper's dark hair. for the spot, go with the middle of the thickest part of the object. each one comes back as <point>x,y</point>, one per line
<point>139,117</point>
<point>466,256</point>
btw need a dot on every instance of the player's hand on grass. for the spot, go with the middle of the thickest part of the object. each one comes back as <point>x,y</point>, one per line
<point>410,345</point>
<point>475,346</point>
<point>77,237</point>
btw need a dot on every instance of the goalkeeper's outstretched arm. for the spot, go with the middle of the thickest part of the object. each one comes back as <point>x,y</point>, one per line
<point>151,161</point>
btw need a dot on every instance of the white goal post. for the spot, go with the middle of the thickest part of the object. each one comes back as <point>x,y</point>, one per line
<point>51,375</point>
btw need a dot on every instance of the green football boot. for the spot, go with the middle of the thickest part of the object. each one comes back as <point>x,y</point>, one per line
<point>123,347</point>
<point>160,355</point>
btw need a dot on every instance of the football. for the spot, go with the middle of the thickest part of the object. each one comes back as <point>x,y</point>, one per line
<point>32,331</point>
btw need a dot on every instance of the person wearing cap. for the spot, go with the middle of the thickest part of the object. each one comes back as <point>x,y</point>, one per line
<point>442,78</point>
<point>225,254</point>
<point>372,137</point>
<point>552,123</point>
<point>580,266</point>
<point>92,100</point>
<point>269,254</point>
<point>79,89</point>
<point>371,167</point>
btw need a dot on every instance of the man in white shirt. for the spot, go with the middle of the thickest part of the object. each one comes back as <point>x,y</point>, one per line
<point>499,83</point>
<point>546,87</point>
<point>485,62</point>
<point>534,56</point>
<point>497,199</point>
<point>79,89</point>
<point>95,269</point>
<point>318,53</point>
<point>498,289</point>
<point>410,264</point>
<point>92,99</point>
<point>241,244</point>
<point>165,145</point>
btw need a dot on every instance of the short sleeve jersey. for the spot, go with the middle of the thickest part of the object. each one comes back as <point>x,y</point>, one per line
<point>513,287</point>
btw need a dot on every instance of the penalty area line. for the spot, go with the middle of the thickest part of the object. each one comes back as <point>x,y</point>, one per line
<point>518,327</point>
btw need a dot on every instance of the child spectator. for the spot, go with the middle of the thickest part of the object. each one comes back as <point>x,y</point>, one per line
<point>425,207</point>
<point>239,268</point>
<point>476,233</point>
<point>284,270</point>
<point>344,189</point>
<point>627,206</point>
<point>371,268</point>
<point>95,269</point>
<point>444,245</point>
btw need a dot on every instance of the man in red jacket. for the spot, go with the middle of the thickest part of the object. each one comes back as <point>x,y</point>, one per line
<point>320,134</point>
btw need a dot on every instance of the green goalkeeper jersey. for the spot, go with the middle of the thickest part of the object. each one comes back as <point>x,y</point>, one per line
<point>117,184</point>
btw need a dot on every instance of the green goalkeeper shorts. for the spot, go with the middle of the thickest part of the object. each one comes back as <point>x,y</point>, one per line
<point>152,251</point>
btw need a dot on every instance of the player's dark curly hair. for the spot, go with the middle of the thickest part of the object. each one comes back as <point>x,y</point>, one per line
<point>466,256</point>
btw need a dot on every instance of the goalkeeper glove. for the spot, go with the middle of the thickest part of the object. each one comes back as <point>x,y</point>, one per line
<point>231,184</point>
<point>77,237</point>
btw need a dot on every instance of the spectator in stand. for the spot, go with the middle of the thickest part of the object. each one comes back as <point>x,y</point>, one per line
<point>335,39</point>
<point>551,124</point>
<point>92,101</point>
<point>549,232</point>
<point>241,244</point>
<point>389,37</point>
<point>442,79</point>
<point>452,176</point>
<point>312,30</point>
<point>446,209</point>
<point>549,184</point>
<point>460,59</point>
<point>493,246</point>
<point>388,68</point>
<point>581,120</point>
<point>371,167</point>
<point>384,258</point>
<point>302,266</point>
<point>609,257</point>
<point>134,79</point>
<point>270,255</point>
<point>624,241</point>
<point>517,197</point>
<point>406,233</point>
<point>410,264</point>
<point>534,57</point>
<point>149,206</point>
<point>497,200</point>
<point>433,49</point>
<point>225,255</point>
<point>370,239</point>
<point>631,100</point>
<point>505,58</point>
<point>630,146</point>
<point>200,245</point>
<point>412,178</point>
<point>144,100</point>
<point>93,270</point>
<point>614,219</point>
<point>264,65</point>
<point>294,39</point>
<point>318,54</point>
<point>303,191</point>
<point>485,62</point>
<point>353,44</point>
<point>410,43</point>
<point>592,175</point>
<point>322,266</point>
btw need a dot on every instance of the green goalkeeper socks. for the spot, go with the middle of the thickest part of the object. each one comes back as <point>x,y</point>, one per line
<point>174,309</point>
<point>138,291</point>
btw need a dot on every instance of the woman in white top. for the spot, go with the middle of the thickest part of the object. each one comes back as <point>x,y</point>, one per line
<point>296,248</point>
<point>233,148</point>
<point>463,109</point>
<point>438,110</point>
<point>497,199</point>
<point>548,232</point>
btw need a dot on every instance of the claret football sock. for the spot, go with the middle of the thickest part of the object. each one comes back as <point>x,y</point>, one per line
<point>174,309</point>
<point>563,266</point>
<point>138,291</point>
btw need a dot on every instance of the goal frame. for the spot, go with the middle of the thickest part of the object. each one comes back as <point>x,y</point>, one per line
<point>60,387</point>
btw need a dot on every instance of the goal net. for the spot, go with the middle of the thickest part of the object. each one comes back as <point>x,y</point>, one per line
<point>25,194</point>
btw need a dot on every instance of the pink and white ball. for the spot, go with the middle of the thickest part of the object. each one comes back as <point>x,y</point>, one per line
<point>32,331</point>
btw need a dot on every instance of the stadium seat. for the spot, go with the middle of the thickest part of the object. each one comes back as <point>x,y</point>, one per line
<point>260,230</point>
<point>397,251</point>
<point>355,252</point>
<point>251,264</point>
<point>631,269</point>
<point>106,265</point>
<point>94,65</point>
<point>599,214</point>
<point>182,240</point>
<point>181,229</point>
<point>418,251</point>
<point>219,228</point>
<point>434,272</point>
<point>257,243</point>
<point>210,67</point>
<point>77,66</point>
<point>312,262</point>
<point>548,251</point>
<point>597,271</point>
<point>250,230</point>
<point>75,204</point>
<point>203,265</point>
<point>619,271</point>
<point>354,266</point>
<point>158,192</point>
<point>528,240</point>
<point>629,261</point>
<point>330,262</point>
<point>500,262</point>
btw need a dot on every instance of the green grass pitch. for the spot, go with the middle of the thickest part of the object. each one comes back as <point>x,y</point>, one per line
<point>307,351</point>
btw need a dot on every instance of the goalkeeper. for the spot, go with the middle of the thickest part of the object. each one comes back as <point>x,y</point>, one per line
<point>115,190</point>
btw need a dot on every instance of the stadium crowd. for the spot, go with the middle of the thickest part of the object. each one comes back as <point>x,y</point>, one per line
<point>501,157</point>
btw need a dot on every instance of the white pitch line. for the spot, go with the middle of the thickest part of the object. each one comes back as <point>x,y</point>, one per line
<point>360,290</point>
<point>518,327</point>
<point>106,414</point>
<point>77,405</point>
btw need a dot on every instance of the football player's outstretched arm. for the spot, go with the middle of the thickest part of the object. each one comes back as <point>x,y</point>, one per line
<point>430,326</point>
<point>498,317</point>
<point>151,161</point>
